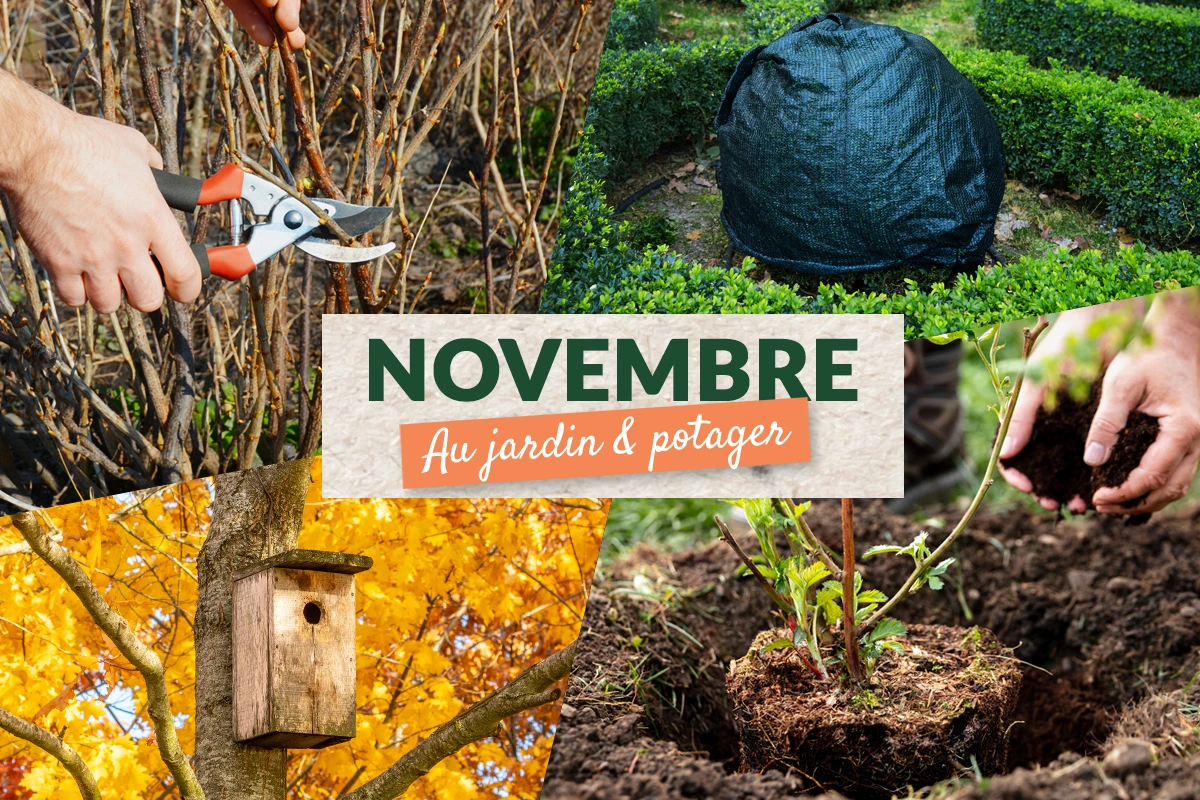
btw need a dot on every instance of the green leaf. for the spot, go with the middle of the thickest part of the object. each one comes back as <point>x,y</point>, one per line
<point>776,645</point>
<point>814,573</point>
<point>941,567</point>
<point>947,338</point>
<point>882,548</point>
<point>872,596</point>
<point>799,637</point>
<point>885,628</point>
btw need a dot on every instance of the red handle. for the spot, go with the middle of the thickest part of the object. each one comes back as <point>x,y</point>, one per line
<point>230,262</point>
<point>225,184</point>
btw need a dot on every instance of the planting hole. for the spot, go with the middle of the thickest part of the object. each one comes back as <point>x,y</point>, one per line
<point>312,612</point>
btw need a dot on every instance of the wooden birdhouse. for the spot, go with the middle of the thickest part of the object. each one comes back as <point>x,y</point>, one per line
<point>293,650</point>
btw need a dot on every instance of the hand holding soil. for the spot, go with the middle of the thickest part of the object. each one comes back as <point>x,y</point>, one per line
<point>1139,432</point>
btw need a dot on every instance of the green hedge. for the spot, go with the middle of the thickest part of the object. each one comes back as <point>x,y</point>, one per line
<point>643,98</point>
<point>596,271</point>
<point>1136,150</point>
<point>1183,3</point>
<point>1157,44</point>
<point>1133,148</point>
<point>633,24</point>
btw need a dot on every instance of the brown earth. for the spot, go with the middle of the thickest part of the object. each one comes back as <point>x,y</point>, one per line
<point>1112,613</point>
<point>1053,459</point>
<point>946,701</point>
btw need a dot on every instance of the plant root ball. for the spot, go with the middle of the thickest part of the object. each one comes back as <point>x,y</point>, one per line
<point>941,707</point>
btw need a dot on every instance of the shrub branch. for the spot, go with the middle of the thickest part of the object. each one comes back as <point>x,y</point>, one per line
<point>1031,335</point>
<point>528,690</point>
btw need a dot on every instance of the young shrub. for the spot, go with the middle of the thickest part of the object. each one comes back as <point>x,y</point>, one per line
<point>1154,43</point>
<point>815,594</point>
<point>817,696</point>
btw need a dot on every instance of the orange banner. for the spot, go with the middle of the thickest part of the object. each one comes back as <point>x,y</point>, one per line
<point>588,444</point>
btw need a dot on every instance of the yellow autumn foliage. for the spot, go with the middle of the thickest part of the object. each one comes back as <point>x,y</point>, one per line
<point>463,595</point>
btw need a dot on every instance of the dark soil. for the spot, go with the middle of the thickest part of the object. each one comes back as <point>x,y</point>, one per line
<point>1074,777</point>
<point>1053,459</point>
<point>1112,612</point>
<point>946,701</point>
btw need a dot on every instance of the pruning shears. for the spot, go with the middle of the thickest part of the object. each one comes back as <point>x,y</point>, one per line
<point>287,221</point>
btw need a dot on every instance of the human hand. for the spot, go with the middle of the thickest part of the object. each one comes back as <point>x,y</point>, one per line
<point>87,204</point>
<point>1053,347</point>
<point>1161,379</point>
<point>256,17</point>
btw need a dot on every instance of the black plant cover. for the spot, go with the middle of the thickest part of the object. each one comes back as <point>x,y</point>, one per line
<point>849,146</point>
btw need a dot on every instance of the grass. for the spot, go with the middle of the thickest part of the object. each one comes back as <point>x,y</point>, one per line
<point>684,21</point>
<point>664,524</point>
<point>946,23</point>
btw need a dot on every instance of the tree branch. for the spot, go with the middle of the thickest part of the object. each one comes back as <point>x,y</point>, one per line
<point>528,690</point>
<point>127,642</point>
<point>56,747</point>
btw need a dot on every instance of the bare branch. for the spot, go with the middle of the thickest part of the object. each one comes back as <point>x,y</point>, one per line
<point>528,690</point>
<point>127,642</point>
<point>66,755</point>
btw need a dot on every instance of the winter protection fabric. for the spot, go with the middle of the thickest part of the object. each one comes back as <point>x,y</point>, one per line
<point>849,146</point>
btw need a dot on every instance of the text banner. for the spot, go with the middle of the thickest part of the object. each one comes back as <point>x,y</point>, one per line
<point>408,398</point>
<point>588,444</point>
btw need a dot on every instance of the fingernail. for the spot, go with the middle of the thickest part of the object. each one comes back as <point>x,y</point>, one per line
<point>1006,448</point>
<point>1095,454</point>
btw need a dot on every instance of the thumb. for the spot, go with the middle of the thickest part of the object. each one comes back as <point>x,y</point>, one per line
<point>1117,398</point>
<point>1021,427</point>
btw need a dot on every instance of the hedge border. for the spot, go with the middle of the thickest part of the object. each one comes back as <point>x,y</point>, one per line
<point>1159,45</point>
<point>595,270</point>
<point>632,25</point>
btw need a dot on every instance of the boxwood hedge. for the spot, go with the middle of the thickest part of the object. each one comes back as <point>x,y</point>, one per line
<point>1133,148</point>
<point>633,24</point>
<point>596,270</point>
<point>1116,140</point>
<point>643,98</point>
<point>1159,45</point>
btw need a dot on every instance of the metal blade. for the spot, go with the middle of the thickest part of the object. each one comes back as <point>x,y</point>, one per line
<point>337,254</point>
<point>354,219</point>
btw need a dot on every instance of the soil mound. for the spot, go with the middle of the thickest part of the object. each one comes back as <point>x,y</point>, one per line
<point>1112,612</point>
<point>945,701</point>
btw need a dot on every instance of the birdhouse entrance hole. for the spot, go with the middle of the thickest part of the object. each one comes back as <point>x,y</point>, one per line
<point>312,612</point>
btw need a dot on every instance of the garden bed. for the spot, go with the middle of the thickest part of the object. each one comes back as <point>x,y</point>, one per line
<point>1110,161</point>
<point>1106,616</point>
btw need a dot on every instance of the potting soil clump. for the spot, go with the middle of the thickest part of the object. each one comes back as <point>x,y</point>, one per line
<point>1053,458</point>
<point>948,699</point>
<point>849,146</point>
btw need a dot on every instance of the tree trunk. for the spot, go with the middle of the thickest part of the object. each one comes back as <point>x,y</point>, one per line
<point>256,514</point>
